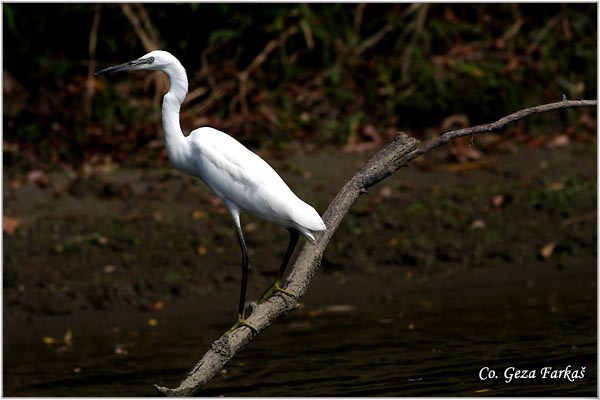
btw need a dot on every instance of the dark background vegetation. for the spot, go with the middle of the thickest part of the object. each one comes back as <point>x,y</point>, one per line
<point>333,70</point>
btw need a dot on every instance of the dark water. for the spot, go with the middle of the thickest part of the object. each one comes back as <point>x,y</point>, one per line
<point>425,343</point>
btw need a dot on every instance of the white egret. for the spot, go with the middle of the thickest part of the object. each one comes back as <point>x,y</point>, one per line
<point>241,178</point>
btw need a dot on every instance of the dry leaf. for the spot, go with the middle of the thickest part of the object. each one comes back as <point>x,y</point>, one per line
<point>109,269</point>
<point>339,308</point>
<point>157,216</point>
<point>217,205</point>
<point>478,224</point>
<point>559,141</point>
<point>317,312</point>
<point>498,200</point>
<point>556,186</point>
<point>202,250</point>
<point>158,305</point>
<point>10,224</point>
<point>152,322</point>
<point>199,214</point>
<point>48,340</point>
<point>251,227</point>
<point>385,192</point>
<point>466,166</point>
<point>38,178</point>
<point>68,338</point>
<point>120,349</point>
<point>548,249</point>
<point>299,325</point>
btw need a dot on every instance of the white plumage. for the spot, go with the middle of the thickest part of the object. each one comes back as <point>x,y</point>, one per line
<point>244,181</point>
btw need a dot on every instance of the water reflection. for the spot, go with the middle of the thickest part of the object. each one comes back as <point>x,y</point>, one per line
<point>420,344</point>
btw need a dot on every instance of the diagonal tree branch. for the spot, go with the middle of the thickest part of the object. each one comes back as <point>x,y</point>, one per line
<point>383,164</point>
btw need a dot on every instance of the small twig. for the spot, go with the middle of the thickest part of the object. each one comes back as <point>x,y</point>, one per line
<point>498,125</point>
<point>417,26</point>
<point>139,19</point>
<point>542,34</point>
<point>358,17</point>
<point>91,82</point>
<point>383,164</point>
<point>379,35</point>
<point>258,61</point>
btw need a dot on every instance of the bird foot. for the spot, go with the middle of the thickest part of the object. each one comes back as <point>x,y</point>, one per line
<point>275,288</point>
<point>241,322</point>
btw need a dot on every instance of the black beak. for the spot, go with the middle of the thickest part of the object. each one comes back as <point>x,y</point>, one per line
<point>123,67</point>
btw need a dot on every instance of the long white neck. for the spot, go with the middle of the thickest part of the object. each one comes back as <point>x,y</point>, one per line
<point>177,146</point>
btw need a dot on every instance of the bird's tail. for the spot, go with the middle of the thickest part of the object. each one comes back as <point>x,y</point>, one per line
<point>307,220</point>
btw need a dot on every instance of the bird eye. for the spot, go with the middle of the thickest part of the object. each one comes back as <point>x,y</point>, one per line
<point>150,60</point>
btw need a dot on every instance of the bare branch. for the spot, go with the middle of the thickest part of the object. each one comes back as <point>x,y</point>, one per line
<point>91,82</point>
<point>258,61</point>
<point>139,19</point>
<point>383,164</point>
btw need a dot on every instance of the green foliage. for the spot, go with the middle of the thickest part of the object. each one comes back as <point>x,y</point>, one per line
<point>345,66</point>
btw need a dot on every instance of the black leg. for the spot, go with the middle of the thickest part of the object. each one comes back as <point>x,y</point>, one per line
<point>245,269</point>
<point>294,235</point>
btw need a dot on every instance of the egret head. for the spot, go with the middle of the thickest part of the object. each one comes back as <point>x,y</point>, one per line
<point>157,60</point>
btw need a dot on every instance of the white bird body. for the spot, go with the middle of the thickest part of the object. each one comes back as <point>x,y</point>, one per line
<point>244,181</point>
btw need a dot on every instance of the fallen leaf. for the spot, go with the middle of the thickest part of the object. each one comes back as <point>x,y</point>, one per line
<point>559,141</point>
<point>109,269</point>
<point>217,205</point>
<point>478,224</point>
<point>158,305</point>
<point>152,322</point>
<point>48,340</point>
<point>299,325</point>
<point>120,349</point>
<point>202,250</point>
<point>393,242</point>
<point>157,216</point>
<point>199,214</point>
<point>548,249</point>
<point>385,192</point>
<point>556,186</point>
<point>38,178</point>
<point>317,312</point>
<point>10,224</point>
<point>498,200</point>
<point>339,308</point>
<point>465,166</point>
<point>68,338</point>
